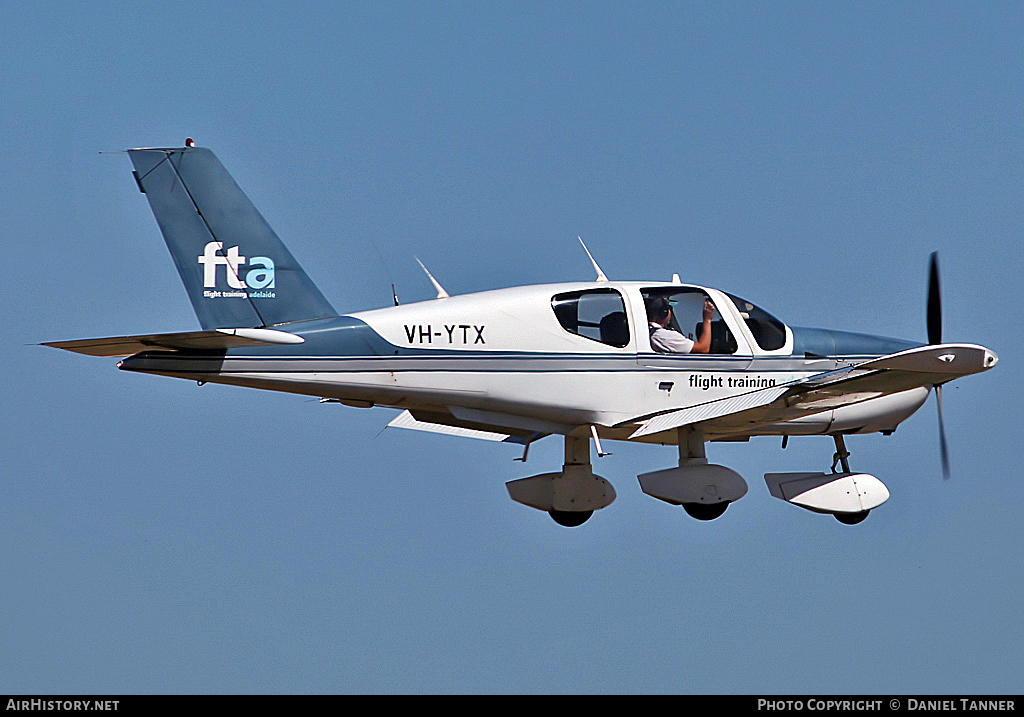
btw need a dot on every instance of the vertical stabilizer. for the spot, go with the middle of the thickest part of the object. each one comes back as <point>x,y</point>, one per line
<point>235,269</point>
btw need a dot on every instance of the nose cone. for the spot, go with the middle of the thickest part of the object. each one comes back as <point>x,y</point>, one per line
<point>990,359</point>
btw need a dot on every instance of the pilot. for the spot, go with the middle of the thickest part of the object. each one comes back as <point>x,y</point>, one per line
<point>666,340</point>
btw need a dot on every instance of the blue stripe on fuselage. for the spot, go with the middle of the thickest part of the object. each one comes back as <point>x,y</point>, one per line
<point>347,336</point>
<point>348,344</point>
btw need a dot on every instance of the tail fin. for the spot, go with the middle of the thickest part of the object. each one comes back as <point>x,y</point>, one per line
<point>209,223</point>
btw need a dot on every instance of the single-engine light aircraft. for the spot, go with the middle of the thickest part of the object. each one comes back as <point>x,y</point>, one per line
<point>657,362</point>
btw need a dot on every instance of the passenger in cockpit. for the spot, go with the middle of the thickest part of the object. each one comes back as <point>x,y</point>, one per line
<point>666,340</point>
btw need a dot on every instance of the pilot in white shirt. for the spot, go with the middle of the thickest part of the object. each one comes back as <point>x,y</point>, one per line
<point>666,340</point>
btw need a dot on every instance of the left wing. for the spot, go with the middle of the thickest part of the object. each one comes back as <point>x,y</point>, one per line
<point>922,366</point>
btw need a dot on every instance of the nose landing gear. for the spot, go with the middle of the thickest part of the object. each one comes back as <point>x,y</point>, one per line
<point>848,496</point>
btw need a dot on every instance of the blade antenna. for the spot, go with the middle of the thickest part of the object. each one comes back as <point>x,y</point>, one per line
<point>394,292</point>
<point>600,274</point>
<point>441,293</point>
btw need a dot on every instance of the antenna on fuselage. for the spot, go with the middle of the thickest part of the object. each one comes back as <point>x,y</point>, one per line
<point>441,293</point>
<point>394,291</point>
<point>600,274</point>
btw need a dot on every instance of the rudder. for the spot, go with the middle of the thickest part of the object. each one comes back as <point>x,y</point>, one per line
<point>236,270</point>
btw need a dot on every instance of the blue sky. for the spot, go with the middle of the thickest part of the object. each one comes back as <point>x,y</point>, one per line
<point>161,537</point>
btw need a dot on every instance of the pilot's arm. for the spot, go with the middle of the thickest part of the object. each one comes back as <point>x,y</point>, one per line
<point>669,341</point>
<point>703,344</point>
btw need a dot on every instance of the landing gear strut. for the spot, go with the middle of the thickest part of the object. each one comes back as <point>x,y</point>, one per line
<point>703,489</point>
<point>841,454</point>
<point>841,457</point>
<point>570,496</point>
<point>846,495</point>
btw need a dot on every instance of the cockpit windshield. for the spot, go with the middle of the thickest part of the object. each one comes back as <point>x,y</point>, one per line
<point>769,332</point>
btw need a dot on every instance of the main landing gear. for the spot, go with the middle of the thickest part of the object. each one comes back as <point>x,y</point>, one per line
<point>570,496</point>
<point>704,489</point>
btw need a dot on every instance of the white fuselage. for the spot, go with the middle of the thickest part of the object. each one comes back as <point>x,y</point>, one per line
<point>502,358</point>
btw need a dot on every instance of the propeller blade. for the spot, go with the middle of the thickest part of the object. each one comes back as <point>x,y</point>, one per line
<point>942,435</point>
<point>934,301</point>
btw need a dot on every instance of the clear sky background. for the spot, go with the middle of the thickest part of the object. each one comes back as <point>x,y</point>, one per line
<point>156,536</point>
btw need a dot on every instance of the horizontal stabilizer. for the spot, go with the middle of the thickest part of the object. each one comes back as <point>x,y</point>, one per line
<point>216,340</point>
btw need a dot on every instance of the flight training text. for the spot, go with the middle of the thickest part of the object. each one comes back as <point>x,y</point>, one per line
<point>708,381</point>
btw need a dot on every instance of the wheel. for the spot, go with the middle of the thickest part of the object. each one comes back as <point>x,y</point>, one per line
<point>570,518</point>
<point>852,518</point>
<point>705,511</point>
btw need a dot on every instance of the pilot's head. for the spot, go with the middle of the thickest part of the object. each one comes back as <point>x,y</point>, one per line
<point>658,310</point>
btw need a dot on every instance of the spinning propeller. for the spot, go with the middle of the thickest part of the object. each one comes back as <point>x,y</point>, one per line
<point>935,337</point>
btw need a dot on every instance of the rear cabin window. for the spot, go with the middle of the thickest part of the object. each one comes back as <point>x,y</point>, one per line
<point>769,332</point>
<point>598,315</point>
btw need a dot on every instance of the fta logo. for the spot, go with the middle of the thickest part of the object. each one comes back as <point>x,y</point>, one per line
<point>260,274</point>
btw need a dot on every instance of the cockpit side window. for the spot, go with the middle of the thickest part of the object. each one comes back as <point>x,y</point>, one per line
<point>687,307</point>
<point>769,332</point>
<point>598,315</point>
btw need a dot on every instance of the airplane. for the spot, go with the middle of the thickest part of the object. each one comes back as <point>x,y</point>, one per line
<point>517,365</point>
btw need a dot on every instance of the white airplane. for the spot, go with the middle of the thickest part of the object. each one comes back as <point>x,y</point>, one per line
<point>585,360</point>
